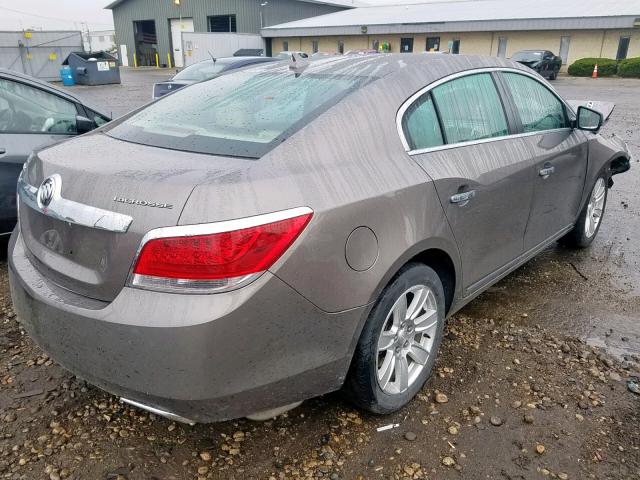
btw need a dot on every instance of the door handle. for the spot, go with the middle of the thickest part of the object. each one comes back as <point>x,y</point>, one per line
<point>463,198</point>
<point>3,151</point>
<point>546,171</point>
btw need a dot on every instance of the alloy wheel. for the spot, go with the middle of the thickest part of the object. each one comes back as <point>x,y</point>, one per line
<point>595,208</point>
<point>406,339</point>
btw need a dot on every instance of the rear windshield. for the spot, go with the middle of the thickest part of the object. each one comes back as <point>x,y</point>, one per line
<point>527,56</point>
<point>200,71</point>
<point>244,114</point>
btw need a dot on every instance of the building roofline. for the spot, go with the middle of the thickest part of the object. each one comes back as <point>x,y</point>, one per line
<point>578,23</point>
<point>333,3</point>
<point>466,15</point>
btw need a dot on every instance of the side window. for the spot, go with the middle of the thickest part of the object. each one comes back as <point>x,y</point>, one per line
<point>420,124</point>
<point>470,109</point>
<point>31,110</point>
<point>98,119</point>
<point>539,109</point>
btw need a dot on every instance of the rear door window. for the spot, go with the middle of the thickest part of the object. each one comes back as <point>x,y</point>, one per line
<point>539,109</point>
<point>421,126</point>
<point>470,109</point>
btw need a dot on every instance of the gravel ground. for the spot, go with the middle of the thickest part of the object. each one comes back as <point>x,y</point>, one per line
<point>531,380</point>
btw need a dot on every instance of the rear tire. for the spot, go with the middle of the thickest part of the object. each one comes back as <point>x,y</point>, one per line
<point>398,345</point>
<point>590,219</point>
<point>4,245</point>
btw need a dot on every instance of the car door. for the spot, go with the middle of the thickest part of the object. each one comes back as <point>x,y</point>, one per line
<point>559,153</point>
<point>29,118</point>
<point>459,133</point>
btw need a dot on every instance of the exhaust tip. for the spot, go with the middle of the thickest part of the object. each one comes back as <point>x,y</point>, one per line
<point>157,411</point>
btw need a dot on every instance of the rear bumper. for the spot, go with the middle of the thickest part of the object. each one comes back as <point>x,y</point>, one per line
<point>202,357</point>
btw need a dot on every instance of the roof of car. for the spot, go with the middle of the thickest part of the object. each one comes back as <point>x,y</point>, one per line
<point>36,82</point>
<point>403,64</point>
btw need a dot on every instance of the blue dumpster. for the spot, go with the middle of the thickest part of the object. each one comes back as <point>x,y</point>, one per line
<point>66,74</point>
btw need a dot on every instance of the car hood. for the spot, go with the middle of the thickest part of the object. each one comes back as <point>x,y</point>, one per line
<point>606,108</point>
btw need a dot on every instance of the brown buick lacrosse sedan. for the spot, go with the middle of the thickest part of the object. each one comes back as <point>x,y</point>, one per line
<point>280,232</point>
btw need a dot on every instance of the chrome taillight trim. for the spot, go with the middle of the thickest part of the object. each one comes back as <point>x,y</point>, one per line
<point>186,286</point>
<point>72,212</point>
<point>193,287</point>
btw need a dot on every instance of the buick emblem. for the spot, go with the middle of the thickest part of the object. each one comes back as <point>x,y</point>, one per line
<point>48,190</point>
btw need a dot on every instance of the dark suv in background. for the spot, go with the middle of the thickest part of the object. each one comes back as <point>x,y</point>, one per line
<point>544,62</point>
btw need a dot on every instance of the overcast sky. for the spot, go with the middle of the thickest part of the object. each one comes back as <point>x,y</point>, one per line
<point>70,14</point>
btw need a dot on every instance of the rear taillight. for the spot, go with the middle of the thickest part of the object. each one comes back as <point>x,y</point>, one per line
<point>216,257</point>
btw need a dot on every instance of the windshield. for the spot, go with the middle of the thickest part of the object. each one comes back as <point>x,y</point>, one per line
<point>527,57</point>
<point>200,71</point>
<point>246,113</point>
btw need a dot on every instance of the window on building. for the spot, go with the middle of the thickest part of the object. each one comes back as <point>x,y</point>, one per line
<point>285,46</point>
<point>433,44</point>
<point>538,108</point>
<point>421,126</point>
<point>502,47</point>
<point>623,48</point>
<point>340,46</point>
<point>101,38</point>
<point>470,109</point>
<point>315,46</point>
<point>455,46</point>
<point>564,49</point>
<point>406,45</point>
<point>222,23</point>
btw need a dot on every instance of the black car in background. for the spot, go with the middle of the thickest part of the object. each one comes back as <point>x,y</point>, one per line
<point>544,62</point>
<point>33,114</point>
<point>205,70</point>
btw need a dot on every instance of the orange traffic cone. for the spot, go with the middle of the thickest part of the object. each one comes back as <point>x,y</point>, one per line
<point>595,71</point>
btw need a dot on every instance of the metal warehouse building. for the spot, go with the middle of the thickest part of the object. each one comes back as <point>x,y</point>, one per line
<point>571,29</point>
<point>149,27</point>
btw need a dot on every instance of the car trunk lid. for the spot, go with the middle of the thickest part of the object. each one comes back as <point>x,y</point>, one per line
<point>115,192</point>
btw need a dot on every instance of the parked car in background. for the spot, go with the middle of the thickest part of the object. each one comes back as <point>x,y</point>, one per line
<point>542,61</point>
<point>205,70</point>
<point>366,51</point>
<point>255,240</point>
<point>319,55</point>
<point>288,55</point>
<point>249,52</point>
<point>33,114</point>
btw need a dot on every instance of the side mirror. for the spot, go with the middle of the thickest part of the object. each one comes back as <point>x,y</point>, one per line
<point>589,120</point>
<point>84,125</point>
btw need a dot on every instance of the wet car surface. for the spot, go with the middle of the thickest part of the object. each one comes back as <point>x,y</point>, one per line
<point>508,346</point>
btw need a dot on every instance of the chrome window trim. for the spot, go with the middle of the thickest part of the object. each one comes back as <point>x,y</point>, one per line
<point>484,140</point>
<point>413,98</point>
<point>73,212</point>
<point>138,281</point>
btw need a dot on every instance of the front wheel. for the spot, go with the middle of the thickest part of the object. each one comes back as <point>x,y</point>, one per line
<point>554,74</point>
<point>590,218</point>
<point>398,345</point>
